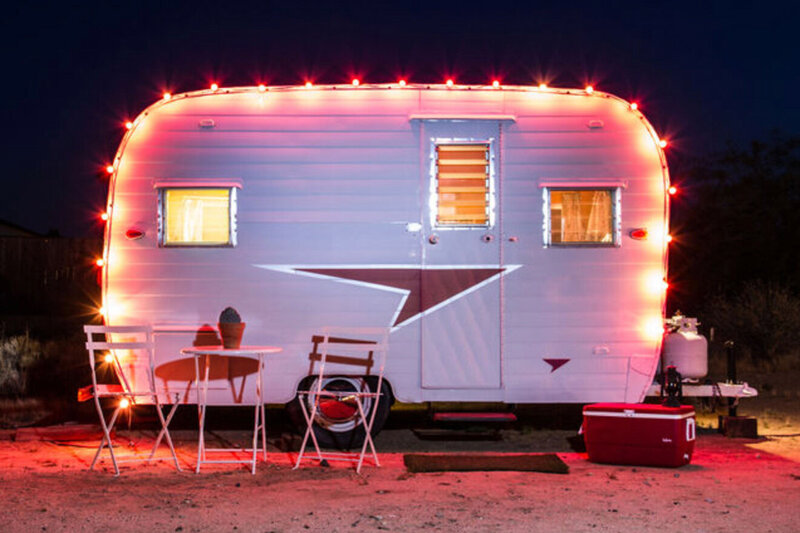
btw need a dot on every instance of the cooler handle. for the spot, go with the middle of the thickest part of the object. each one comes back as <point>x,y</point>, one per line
<point>690,429</point>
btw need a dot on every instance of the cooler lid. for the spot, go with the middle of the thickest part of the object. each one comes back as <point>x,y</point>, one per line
<point>639,409</point>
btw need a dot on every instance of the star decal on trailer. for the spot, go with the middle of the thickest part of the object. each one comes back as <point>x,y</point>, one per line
<point>422,290</point>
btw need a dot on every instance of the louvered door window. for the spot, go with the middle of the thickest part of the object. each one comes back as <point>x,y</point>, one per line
<point>462,184</point>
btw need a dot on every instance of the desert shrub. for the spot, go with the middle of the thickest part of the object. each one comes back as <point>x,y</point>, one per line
<point>762,319</point>
<point>62,369</point>
<point>18,354</point>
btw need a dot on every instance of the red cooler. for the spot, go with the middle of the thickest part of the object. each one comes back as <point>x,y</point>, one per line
<point>639,434</point>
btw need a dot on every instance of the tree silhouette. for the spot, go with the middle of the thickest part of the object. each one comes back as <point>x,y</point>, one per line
<point>737,220</point>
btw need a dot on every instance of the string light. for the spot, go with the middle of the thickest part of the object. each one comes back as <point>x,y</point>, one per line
<point>496,84</point>
<point>108,358</point>
<point>543,86</point>
<point>634,106</point>
<point>129,125</point>
<point>672,190</point>
<point>668,238</point>
<point>449,82</point>
<point>589,89</point>
<point>309,85</point>
<point>356,82</point>
<point>662,143</point>
<point>166,96</point>
<point>100,262</point>
<point>104,216</point>
<point>401,83</point>
<point>214,87</point>
<point>124,403</point>
<point>262,88</point>
<point>110,169</point>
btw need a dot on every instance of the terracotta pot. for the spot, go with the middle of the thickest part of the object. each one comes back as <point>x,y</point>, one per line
<point>231,334</point>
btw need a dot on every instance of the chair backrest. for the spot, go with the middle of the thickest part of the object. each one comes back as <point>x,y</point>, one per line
<point>128,350</point>
<point>350,351</point>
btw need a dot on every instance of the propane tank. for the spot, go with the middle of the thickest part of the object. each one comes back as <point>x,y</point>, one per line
<point>684,348</point>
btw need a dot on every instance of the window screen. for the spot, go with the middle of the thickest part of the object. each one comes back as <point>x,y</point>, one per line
<point>462,184</point>
<point>581,216</point>
<point>197,216</point>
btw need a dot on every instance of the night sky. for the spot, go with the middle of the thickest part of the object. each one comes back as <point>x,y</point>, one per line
<point>705,73</point>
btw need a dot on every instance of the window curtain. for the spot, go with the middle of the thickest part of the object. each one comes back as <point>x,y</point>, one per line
<point>598,228</point>
<point>586,216</point>
<point>571,223</point>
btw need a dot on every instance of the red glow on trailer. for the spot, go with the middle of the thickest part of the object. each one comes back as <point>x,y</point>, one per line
<point>672,190</point>
<point>639,234</point>
<point>356,82</point>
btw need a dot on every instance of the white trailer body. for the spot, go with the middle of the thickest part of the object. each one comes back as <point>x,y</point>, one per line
<point>535,276</point>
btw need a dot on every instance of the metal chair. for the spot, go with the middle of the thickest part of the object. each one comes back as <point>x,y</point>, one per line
<point>130,348</point>
<point>360,357</point>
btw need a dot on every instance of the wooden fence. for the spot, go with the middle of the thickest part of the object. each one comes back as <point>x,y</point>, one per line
<point>48,277</point>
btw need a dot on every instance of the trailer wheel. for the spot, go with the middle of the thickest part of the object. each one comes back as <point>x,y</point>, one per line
<point>337,424</point>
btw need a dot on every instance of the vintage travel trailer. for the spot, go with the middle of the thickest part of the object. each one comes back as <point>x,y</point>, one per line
<point>512,239</point>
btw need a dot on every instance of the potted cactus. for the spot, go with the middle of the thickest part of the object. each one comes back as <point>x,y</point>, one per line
<point>230,327</point>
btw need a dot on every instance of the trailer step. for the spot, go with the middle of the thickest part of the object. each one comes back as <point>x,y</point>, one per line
<point>481,417</point>
<point>457,434</point>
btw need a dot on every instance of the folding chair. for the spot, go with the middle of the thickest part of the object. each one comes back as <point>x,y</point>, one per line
<point>358,362</point>
<point>129,347</point>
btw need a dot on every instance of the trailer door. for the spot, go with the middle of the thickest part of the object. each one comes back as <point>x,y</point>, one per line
<point>461,255</point>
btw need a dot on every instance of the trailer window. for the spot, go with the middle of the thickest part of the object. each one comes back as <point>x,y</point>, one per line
<point>462,184</point>
<point>581,217</point>
<point>197,216</point>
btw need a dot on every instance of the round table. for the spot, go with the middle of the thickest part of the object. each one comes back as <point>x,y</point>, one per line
<point>201,386</point>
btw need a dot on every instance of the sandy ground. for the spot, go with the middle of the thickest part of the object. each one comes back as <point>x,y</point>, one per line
<point>731,484</point>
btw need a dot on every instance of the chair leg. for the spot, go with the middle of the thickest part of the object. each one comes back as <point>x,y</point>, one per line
<point>309,431</point>
<point>164,433</point>
<point>107,428</point>
<point>367,438</point>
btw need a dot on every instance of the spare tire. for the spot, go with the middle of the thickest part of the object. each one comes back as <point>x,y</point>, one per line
<point>337,423</point>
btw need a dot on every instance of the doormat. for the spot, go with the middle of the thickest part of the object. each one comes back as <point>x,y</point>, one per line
<point>472,462</point>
